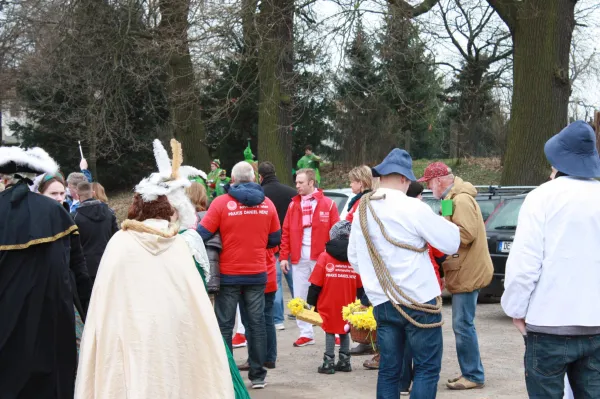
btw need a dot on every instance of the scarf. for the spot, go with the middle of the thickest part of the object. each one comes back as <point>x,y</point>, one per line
<point>307,210</point>
<point>356,198</point>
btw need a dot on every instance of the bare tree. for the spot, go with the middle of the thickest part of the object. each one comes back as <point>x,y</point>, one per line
<point>484,47</point>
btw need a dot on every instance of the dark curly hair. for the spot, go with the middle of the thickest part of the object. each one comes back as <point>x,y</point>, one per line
<point>157,209</point>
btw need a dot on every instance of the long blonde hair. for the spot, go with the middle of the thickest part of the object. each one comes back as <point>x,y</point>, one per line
<point>363,175</point>
<point>99,192</point>
<point>197,194</point>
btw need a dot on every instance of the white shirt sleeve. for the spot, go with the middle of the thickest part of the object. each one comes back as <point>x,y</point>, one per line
<point>524,264</point>
<point>437,231</point>
<point>352,252</point>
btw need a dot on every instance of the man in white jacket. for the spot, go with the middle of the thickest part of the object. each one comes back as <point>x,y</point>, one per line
<point>552,286</point>
<point>387,248</point>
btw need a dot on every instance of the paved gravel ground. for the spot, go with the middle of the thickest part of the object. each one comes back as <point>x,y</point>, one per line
<point>296,374</point>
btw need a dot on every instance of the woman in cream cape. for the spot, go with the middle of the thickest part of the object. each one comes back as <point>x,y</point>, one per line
<point>151,332</point>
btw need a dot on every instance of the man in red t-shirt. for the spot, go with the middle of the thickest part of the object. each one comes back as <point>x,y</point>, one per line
<point>309,218</point>
<point>248,224</point>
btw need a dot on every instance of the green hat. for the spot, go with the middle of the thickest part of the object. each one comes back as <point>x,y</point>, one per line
<point>216,162</point>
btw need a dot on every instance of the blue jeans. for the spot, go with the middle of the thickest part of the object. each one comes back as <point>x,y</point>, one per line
<point>407,374</point>
<point>467,345</point>
<point>278,304</point>
<point>549,357</point>
<point>252,300</point>
<point>426,344</point>
<point>269,326</point>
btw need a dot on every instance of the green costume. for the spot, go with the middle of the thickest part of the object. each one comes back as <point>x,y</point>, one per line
<point>221,183</point>
<point>311,162</point>
<point>200,180</point>
<point>249,157</point>
<point>213,177</point>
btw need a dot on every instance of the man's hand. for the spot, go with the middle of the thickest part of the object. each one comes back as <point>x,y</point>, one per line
<point>83,165</point>
<point>285,266</point>
<point>520,324</point>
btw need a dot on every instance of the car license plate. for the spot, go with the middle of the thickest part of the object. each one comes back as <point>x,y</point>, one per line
<point>504,246</point>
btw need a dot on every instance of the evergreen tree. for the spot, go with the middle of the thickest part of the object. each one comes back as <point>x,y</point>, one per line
<point>359,114</point>
<point>410,86</point>
<point>93,82</point>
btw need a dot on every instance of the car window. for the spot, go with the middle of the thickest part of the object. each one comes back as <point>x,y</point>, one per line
<point>435,204</point>
<point>487,207</point>
<point>506,216</point>
<point>339,199</point>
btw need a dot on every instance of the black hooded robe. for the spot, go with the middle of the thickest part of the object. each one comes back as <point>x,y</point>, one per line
<point>38,356</point>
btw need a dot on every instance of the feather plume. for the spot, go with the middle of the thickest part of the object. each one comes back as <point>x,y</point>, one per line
<point>189,171</point>
<point>34,160</point>
<point>162,158</point>
<point>177,158</point>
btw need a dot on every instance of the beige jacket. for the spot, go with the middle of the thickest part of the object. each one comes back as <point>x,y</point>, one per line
<point>471,268</point>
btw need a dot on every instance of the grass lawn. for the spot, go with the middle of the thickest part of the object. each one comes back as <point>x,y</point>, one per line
<point>478,171</point>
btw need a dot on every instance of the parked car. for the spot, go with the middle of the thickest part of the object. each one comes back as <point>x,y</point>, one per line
<point>341,197</point>
<point>499,207</point>
<point>500,230</point>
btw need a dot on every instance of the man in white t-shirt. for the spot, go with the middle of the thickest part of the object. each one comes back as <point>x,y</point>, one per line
<point>393,242</point>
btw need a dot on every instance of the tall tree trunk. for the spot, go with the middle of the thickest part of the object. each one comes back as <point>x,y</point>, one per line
<point>184,105</point>
<point>275,66</point>
<point>454,133</point>
<point>93,156</point>
<point>407,140</point>
<point>542,35</point>
<point>596,128</point>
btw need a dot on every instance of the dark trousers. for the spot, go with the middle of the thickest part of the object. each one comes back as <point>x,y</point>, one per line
<point>252,301</point>
<point>269,326</point>
<point>549,357</point>
<point>426,345</point>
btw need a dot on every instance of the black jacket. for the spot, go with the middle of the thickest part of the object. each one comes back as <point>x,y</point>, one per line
<point>280,194</point>
<point>97,223</point>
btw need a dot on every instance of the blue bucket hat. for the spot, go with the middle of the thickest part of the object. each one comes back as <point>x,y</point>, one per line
<point>397,161</point>
<point>573,151</point>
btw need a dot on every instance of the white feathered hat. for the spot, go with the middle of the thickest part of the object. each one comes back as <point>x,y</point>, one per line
<point>171,180</point>
<point>18,160</point>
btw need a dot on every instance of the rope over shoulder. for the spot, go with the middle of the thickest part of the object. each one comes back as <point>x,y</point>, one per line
<point>394,293</point>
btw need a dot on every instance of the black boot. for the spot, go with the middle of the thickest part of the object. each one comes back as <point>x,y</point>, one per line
<point>344,363</point>
<point>328,366</point>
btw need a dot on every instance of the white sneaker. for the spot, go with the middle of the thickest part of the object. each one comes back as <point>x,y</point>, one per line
<point>258,384</point>
<point>279,326</point>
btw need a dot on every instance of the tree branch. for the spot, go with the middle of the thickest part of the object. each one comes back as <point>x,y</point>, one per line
<point>452,38</point>
<point>414,11</point>
<point>507,10</point>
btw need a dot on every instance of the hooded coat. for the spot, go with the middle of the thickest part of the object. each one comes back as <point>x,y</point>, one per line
<point>97,224</point>
<point>151,331</point>
<point>38,355</point>
<point>471,267</point>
